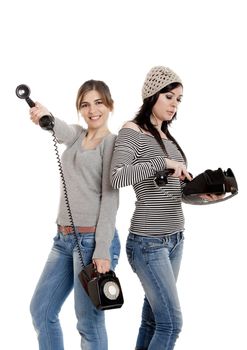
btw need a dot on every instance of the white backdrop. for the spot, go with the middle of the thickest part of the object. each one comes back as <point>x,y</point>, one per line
<point>54,46</point>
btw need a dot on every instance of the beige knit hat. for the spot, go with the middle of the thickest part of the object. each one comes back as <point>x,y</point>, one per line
<point>158,78</point>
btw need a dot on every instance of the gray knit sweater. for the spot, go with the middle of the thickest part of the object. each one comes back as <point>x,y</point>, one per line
<point>92,199</point>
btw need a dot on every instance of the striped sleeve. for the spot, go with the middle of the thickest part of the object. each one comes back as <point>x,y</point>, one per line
<point>125,170</point>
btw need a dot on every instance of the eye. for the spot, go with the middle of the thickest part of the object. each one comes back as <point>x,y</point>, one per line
<point>179,100</point>
<point>98,102</point>
<point>83,105</point>
<point>169,96</point>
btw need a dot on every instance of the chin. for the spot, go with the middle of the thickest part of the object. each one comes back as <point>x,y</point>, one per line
<point>168,119</point>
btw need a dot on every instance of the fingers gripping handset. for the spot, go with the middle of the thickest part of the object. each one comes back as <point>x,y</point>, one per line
<point>178,169</point>
<point>46,121</point>
<point>174,168</point>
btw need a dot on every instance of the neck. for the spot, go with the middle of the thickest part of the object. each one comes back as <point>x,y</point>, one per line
<point>156,122</point>
<point>97,133</point>
<point>157,125</point>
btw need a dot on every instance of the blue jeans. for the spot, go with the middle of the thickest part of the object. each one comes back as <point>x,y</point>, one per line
<point>59,277</point>
<point>156,261</point>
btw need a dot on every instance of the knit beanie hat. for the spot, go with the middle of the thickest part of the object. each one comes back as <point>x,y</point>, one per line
<point>158,78</point>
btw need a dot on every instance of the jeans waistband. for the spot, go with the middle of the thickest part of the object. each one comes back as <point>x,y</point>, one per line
<point>178,234</point>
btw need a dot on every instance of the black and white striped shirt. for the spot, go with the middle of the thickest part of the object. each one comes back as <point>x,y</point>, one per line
<point>136,159</point>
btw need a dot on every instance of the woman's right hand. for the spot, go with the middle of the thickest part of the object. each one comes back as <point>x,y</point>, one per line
<point>37,112</point>
<point>102,265</point>
<point>179,169</point>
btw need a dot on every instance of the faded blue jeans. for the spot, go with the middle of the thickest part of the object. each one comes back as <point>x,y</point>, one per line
<point>156,261</point>
<point>59,277</point>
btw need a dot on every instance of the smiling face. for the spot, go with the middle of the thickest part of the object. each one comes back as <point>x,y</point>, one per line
<point>167,104</point>
<point>93,110</point>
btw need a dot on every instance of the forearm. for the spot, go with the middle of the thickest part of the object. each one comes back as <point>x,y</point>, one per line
<point>106,224</point>
<point>66,133</point>
<point>125,170</point>
<point>108,208</point>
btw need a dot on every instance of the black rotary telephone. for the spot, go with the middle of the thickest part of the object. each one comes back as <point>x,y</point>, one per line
<point>217,182</point>
<point>104,290</point>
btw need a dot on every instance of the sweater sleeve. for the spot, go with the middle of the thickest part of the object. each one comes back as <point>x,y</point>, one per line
<point>109,205</point>
<point>125,170</point>
<point>66,133</point>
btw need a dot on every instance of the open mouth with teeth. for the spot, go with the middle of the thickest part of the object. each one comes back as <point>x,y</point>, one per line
<point>95,117</point>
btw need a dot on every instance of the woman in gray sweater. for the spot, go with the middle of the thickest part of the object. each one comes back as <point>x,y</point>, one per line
<point>94,203</point>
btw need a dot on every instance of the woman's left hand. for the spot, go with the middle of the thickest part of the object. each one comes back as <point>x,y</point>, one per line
<point>102,265</point>
<point>211,197</point>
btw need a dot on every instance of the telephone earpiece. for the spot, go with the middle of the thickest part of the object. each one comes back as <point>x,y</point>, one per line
<point>23,91</point>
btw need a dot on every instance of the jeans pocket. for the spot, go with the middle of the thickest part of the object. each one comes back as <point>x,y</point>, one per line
<point>56,237</point>
<point>153,244</point>
<point>58,241</point>
<point>87,242</point>
<point>87,246</point>
<point>178,246</point>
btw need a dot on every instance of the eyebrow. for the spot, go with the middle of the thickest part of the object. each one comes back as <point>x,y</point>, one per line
<point>97,99</point>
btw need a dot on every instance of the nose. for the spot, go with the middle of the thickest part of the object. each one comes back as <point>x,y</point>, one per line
<point>174,102</point>
<point>92,109</point>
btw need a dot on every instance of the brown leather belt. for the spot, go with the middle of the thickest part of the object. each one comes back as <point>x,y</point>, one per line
<point>66,230</point>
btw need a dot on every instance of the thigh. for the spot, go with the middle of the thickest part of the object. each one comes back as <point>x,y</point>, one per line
<point>150,259</point>
<point>56,280</point>
<point>86,312</point>
<point>91,322</point>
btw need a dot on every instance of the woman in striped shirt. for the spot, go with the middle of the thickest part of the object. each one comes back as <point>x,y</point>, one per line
<point>143,148</point>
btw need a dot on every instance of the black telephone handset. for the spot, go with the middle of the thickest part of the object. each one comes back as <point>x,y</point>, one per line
<point>23,91</point>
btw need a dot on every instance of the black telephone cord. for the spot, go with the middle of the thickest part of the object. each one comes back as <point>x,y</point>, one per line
<point>66,197</point>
